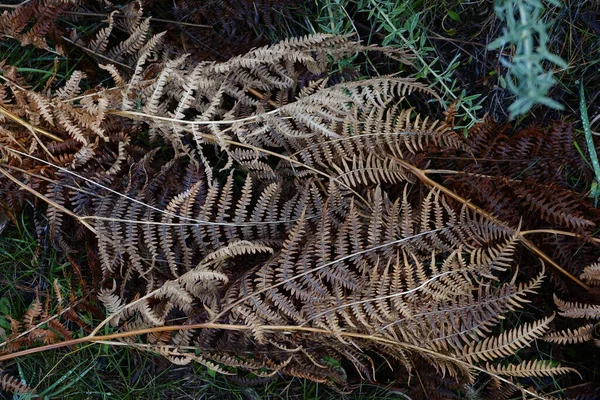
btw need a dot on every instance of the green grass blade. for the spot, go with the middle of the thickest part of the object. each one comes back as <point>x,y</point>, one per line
<point>595,191</point>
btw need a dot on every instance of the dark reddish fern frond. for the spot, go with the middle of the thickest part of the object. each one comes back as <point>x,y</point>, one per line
<point>533,177</point>
<point>10,384</point>
<point>33,22</point>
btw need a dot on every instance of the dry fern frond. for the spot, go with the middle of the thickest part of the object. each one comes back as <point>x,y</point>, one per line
<point>11,384</point>
<point>530,368</point>
<point>278,219</point>
<point>585,333</point>
<point>591,274</point>
<point>32,21</point>
<point>582,334</point>
<point>577,310</point>
<point>506,343</point>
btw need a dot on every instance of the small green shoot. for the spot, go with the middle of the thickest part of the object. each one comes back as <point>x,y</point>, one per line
<point>589,140</point>
<point>527,77</point>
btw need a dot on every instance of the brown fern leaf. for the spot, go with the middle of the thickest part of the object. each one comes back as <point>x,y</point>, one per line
<point>367,290</point>
<point>582,334</point>
<point>591,274</point>
<point>512,176</point>
<point>11,384</point>
<point>31,22</point>
<point>530,368</point>
<point>528,178</point>
<point>32,314</point>
<point>577,310</point>
<point>507,343</point>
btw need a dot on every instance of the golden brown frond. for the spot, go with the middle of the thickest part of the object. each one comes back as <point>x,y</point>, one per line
<point>13,385</point>
<point>506,343</point>
<point>577,310</point>
<point>582,334</point>
<point>530,368</point>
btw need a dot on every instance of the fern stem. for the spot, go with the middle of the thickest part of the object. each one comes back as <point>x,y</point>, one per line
<point>49,180</point>
<point>389,296</point>
<point>27,125</point>
<point>85,49</point>
<point>557,232</point>
<point>144,117</point>
<point>216,140</point>
<point>91,14</point>
<point>274,328</point>
<point>320,267</point>
<point>26,332</point>
<point>84,218</point>
<point>47,200</point>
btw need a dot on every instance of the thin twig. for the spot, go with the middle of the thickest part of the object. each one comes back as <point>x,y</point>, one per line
<point>272,328</point>
<point>166,21</point>
<point>558,232</point>
<point>31,128</point>
<point>113,61</point>
<point>24,333</point>
<point>46,200</point>
<point>95,15</point>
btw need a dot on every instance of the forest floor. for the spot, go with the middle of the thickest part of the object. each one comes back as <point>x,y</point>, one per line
<point>527,75</point>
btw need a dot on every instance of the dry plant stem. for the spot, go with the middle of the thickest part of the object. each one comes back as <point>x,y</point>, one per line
<point>31,128</point>
<point>24,333</point>
<point>315,269</point>
<point>398,294</point>
<point>139,116</point>
<point>421,174</point>
<point>83,96</point>
<point>97,54</point>
<point>262,97</point>
<point>167,21</point>
<point>89,14</point>
<point>27,125</point>
<point>12,83</point>
<point>191,222</point>
<point>14,6</point>
<point>49,180</point>
<point>85,218</point>
<point>272,328</point>
<point>557,232</point>
<point>92,338</point>
<point>523,233</point>
<point>43,146</point>
<point>45,199</point>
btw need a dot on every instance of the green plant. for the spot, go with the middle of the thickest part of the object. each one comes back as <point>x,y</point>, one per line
<point>401,24</point>
<point>595,186</point>
<point>527,77</point>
